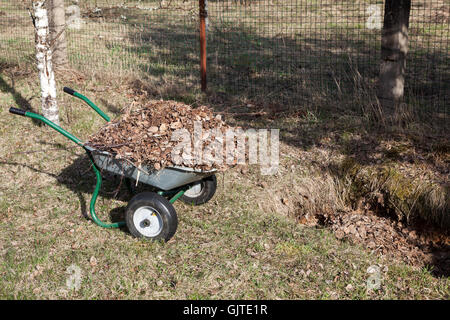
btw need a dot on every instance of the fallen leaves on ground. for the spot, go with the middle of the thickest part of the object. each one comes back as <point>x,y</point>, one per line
<point>391,238</point>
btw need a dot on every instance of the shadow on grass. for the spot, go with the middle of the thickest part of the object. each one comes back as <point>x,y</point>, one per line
<point>21,102</point>
<point>110,107</point>
<point>80,179</point>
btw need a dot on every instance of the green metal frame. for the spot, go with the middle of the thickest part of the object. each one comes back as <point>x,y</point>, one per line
<point>177,193</point>
<point>92,105</point>
<point>98,185</point>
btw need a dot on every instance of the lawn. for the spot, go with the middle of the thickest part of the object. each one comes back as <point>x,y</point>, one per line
<point>256,238</point>
<point>236,246</point>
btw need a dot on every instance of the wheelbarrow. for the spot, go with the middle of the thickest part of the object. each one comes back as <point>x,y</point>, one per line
<point>149,214</point>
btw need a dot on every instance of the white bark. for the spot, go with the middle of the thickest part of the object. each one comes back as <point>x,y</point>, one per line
<point>44,63</point>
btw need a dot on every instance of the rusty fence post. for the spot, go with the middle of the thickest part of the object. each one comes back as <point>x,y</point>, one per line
<point>203,15</point>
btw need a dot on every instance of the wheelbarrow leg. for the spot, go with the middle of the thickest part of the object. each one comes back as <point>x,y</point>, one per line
<point>175,197</point>
<point>94,199</point>
<point>178,194</point>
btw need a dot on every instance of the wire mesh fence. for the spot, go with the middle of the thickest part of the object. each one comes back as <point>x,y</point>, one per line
<point>276,49</point>
<point>155,38</point>
<point>283,48</point>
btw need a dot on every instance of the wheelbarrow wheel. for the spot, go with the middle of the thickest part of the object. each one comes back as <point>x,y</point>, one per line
<point>149,215</point>
<point>200,192</point>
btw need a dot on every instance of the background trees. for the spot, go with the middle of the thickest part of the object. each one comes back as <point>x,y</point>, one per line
<point>43,49</point>
<point>57,24</point>
<point>394,48</point>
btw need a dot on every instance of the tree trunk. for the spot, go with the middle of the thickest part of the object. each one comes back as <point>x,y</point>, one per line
<point>394,48</point>
<point>57,23</point>
<point>44,62</point>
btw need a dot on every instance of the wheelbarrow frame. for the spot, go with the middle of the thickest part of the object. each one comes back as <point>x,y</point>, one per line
<point>105,160</point>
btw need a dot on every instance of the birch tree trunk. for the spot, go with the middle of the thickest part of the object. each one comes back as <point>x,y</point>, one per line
<point>44,62</point>
<point>394,48</point>
<point>57,23</point>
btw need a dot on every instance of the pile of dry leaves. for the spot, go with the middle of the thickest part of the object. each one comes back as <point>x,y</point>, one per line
<point>416,246</point>
<point>144,135</point>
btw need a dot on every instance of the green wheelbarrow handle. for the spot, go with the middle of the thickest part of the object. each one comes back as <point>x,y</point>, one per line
<point>89,102</point>
<point>98,175</point>
<point>51,124</point>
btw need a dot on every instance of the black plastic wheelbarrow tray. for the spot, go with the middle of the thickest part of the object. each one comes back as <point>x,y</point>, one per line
<point>148,214</point>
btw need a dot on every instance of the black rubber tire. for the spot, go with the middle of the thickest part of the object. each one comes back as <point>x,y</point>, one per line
<point>163,207</point>
<point>209,186</point>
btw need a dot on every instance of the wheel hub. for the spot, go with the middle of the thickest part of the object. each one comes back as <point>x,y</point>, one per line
<point>147,221</point>
<point>194,191</point>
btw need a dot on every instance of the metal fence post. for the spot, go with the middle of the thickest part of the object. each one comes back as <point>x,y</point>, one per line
<point>203,14</point>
